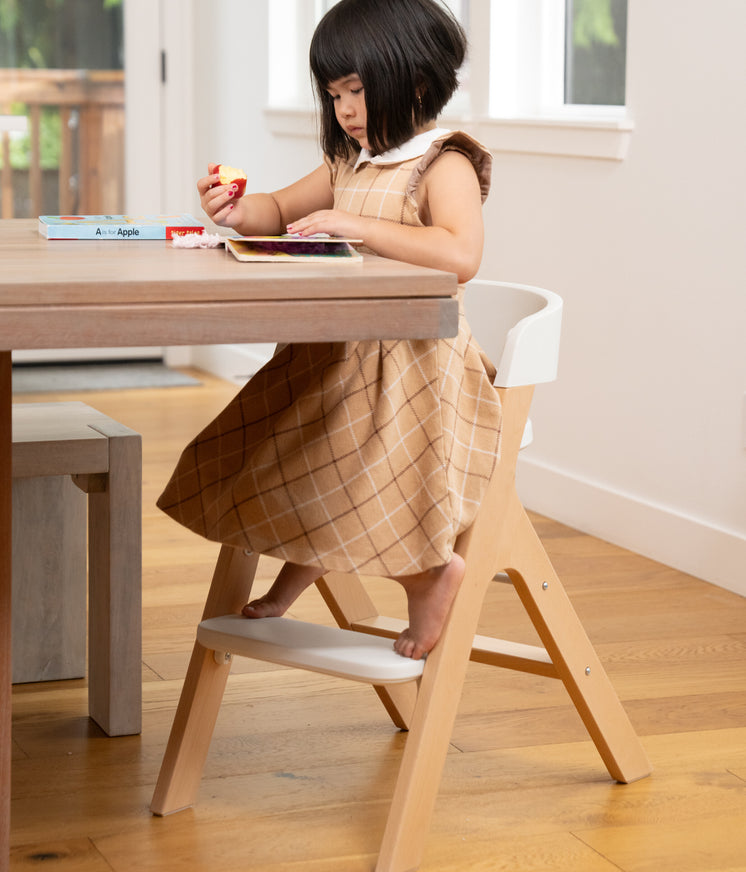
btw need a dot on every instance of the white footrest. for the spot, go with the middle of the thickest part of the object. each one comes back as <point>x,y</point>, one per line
<point>331,650</point>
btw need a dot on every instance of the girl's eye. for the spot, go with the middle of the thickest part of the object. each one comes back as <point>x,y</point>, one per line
<point>356,91</point>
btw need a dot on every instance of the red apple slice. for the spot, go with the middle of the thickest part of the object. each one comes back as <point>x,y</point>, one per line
<point>232,176</point>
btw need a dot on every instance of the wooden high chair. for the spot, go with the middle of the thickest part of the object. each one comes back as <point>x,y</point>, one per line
<point>518,326</point>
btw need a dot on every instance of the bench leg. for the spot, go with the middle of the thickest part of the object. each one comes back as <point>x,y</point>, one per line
<point>115,590</point>
<point>49,579</point>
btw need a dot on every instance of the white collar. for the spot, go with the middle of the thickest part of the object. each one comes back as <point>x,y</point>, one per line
<point>414,147</point>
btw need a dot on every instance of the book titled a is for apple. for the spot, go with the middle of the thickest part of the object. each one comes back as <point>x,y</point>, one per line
<point>118,226</point>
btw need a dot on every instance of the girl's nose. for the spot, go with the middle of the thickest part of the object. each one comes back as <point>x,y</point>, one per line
<point>346,108</point>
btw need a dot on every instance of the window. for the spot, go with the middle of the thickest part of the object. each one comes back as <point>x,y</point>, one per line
<point>595,52</point>
<point>546,58</point>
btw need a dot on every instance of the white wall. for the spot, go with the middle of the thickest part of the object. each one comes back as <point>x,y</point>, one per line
<point>640,441</point>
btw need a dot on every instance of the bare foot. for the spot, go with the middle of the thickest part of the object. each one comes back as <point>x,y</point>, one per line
<point>290,583</point>
<point>264,607</point>
<point>429,597</point>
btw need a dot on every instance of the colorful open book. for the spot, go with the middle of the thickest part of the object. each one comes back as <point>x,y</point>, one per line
<point>288,249</point>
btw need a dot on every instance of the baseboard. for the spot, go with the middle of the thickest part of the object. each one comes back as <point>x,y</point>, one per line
<point>686,543</point>
<point>234,363</point>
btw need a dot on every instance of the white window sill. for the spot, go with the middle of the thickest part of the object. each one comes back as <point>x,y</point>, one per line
<point>599,138</point>
<point>290,121</point>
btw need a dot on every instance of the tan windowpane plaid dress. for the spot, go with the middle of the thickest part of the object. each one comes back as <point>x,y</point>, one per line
<point>365,457</point>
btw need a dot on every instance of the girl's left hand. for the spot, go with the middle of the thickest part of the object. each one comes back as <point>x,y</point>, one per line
<point>331,221</point>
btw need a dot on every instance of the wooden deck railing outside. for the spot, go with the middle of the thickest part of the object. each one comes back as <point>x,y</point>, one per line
<point>91,165</point>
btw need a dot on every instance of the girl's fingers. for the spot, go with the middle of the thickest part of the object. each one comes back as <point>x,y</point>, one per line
<point>214,201</point>
<point>207,183</point>
<point>304,226</point>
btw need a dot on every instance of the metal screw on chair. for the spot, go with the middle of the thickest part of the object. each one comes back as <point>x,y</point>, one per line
<point>587,670</point>
<point>545,586</point>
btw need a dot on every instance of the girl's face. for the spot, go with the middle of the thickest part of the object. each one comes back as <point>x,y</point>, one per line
<point>349,107</point>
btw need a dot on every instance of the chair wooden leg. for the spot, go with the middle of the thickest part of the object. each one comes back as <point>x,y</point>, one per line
<point>348,601</point>
<point>575,659</point>
<point>115,586</point>
<point>427,743</point>
<point>197,712</point>
<point>440,693</point>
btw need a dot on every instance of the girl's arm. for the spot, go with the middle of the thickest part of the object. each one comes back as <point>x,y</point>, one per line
<point>264,214</point>
<point>450,206</point>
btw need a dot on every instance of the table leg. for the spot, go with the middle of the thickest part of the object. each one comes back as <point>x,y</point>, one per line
<point>6,481</point>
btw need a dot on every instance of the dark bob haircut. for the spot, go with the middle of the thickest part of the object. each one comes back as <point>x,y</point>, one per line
<point>407,54</point>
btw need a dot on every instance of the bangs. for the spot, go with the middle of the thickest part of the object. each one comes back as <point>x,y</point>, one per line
<point>330,59</point>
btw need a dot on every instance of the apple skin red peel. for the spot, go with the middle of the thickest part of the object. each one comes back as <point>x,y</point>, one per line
<point>232,176</point>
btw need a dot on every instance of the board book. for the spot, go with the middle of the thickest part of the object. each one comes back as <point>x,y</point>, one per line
<point>118,226</point>
<point>290,249</point>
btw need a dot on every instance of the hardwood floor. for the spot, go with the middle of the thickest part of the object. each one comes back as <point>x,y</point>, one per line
<point>301,767</point>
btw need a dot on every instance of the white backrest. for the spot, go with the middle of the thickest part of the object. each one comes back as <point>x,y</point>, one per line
<point>518,326</point>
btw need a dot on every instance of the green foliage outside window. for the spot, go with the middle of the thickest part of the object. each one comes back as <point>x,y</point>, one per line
<point>61,34</point>
<point>50,141</point>
<point>593,23</point>
<point>595,59</point>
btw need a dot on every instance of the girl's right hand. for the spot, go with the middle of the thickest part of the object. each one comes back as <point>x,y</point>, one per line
<point>217,200</point>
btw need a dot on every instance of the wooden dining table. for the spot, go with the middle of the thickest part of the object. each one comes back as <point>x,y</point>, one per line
<point>90,294</point>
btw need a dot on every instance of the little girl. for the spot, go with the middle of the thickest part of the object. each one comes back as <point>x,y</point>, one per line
<point>362,457</point>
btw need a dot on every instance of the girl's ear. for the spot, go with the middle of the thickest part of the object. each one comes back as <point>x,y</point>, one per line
<point>419,93</point>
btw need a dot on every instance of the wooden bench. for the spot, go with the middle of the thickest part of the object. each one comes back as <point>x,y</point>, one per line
<point>59,451</point>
